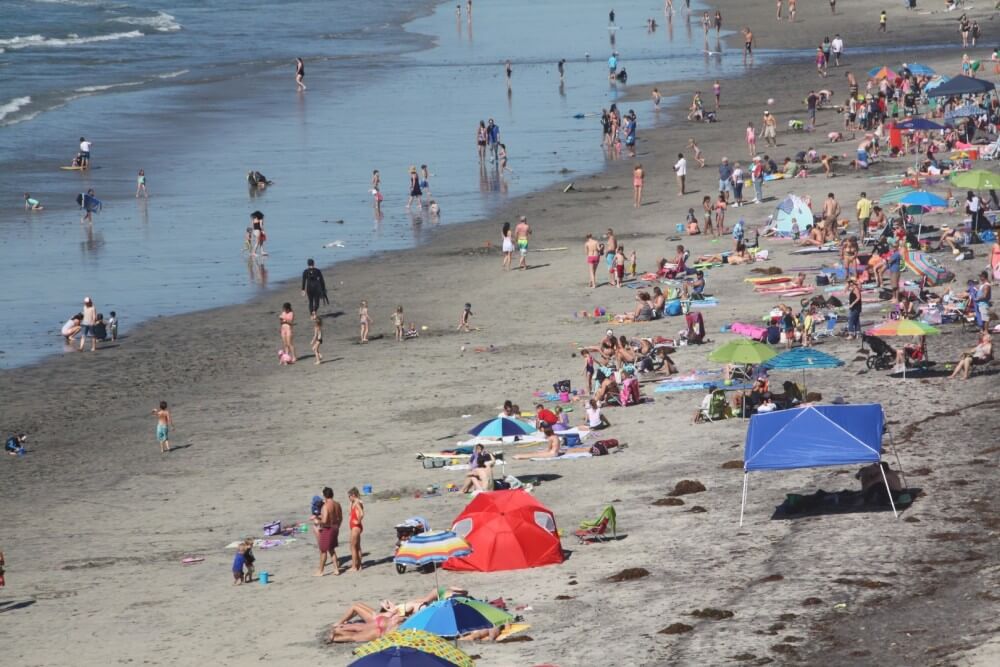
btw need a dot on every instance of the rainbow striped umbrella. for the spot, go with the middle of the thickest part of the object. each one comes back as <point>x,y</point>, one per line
<point>433,546</point>
<point>926,266</point>
<point>903,328</point>
<point>415,648</point>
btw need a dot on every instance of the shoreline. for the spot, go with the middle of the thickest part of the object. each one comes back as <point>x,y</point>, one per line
<point>258,440</point>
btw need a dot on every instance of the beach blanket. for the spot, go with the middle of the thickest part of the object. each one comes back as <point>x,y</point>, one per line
<point>700,385</point>
<point>784,291</point>
<point>708,302</point>
<point>768,280</point>
<point>751,331</point>
<point>565,457</point>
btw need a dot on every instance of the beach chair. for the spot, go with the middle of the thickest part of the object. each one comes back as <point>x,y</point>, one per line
<point>718,408</point>
<point>831,327</point>
<point>629,394</point>
<point>881,355</point>
<point>596,530</point>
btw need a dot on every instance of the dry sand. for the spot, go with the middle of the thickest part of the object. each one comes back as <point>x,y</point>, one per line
<point>96,520</point>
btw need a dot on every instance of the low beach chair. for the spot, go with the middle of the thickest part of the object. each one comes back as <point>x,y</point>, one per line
<point>596,530</point>
<point>719,408</point>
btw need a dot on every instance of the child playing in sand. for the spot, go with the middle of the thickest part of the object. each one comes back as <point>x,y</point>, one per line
<point>365,321</point>
<point>248,560</point>
<point>698,157</point>
<point>239,561</point>
<point>588,371</point>
<point>163,424</point>
<point>463,320</point>
<point>397,322</point>
<point>317,338</point>
<point>411,331</point>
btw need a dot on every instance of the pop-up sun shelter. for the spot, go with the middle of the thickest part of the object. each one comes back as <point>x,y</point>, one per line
<point>814,436</point>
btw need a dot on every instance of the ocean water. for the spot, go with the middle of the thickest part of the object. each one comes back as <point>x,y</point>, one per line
<point>198,92</point>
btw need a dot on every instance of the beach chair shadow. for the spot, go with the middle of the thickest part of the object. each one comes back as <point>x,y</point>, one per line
<point>539,478</point>
<point>823,503</point>
<point>15,605</point>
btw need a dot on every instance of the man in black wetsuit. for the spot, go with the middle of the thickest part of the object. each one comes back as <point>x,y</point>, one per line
<point>313,286</point>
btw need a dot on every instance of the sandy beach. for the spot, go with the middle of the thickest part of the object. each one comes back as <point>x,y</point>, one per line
<point>97,521</point>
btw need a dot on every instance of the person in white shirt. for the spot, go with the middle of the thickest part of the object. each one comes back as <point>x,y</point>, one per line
<point>767,405</point>
<point>837,47</point>
<point>595,420</point>
<point>84,152</point>
<point>681,169</point>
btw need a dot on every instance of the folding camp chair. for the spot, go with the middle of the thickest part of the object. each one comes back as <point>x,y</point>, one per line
<point>718,408</point>
<point>596,530</point>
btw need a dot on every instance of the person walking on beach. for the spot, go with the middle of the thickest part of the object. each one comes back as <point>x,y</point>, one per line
<point>593,251</point>
<point>140,187</point>
<point>355,523</point>
<point>748,44</point>
<point>257,233</point>
<point>415,191</point>
<point>493,138</point>
<point>464,318</point>
<point>506,245</point>
<point>831,213</point>
<point>836,47</point>
<point>425,180</point>
<point>313,286</point>
<point>769,129</point>
<point>376,192</point>
<point>778,14</point>
<point>87,324</point>
<point>681,169</point>
<point>331,515</point>
<point>317,339</point>
<point>718,22</point>
<point>864,212</point>
<point>164,422</point>
<point>612,66</point>
<point>725,176</point>
<point>638,177</point>
<point>812,100</point>
<point>286,320</point>
<point>883,19</point>
<point>481,141</point>
<point>300,74</point>
<point>656,98</point>
<point>365,321</point>
<point>521,235</point>
<point>698,157</point>
<point>791,11</point>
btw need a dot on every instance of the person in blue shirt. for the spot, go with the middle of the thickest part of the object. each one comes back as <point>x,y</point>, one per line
<point>612,66</point>
<point>725,176</point>
<point>893,266</point>
<point>493,138</point>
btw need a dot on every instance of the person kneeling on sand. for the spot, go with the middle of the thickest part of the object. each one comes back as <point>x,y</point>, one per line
<point>873,484</point>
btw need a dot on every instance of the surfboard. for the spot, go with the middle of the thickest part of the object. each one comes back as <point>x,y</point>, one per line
<point>73,168</point>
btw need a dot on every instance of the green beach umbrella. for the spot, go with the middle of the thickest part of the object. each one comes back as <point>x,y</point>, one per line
<point>742,351</point>
<point>976,179</point>
<point>893,196</point>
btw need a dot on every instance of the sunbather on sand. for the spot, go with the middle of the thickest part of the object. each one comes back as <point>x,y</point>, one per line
<point>380,624</point>
<point>606,348</point>
<point>387,609</point>
<point>814,236</point>
<point>488,635</point>
<point>643,310</point>
<point>552,450</point>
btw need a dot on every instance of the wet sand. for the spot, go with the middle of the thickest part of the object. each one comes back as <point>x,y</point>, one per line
<point>97,521</point>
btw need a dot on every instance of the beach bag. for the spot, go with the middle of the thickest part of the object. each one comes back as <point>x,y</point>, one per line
<point>673,308</point>
<point>500,485</point>
<point>598,449</point>
<point>272,528</point>
<point>773,334</point>
<point>562,386</point>
<point>571,439</point>
<point>430,462</point>
<point>822,280</point>
<point>610,443</point>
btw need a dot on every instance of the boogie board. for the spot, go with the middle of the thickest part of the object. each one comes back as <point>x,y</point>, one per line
<point>73,168</point>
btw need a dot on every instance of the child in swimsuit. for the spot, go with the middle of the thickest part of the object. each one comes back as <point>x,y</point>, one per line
<point>397,322</point>
<point>317,338</point>
<point>365,321</point>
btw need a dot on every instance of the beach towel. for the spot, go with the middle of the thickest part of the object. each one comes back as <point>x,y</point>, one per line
<point>564,457</point>
<point>815,249</point>
<point>751,331</point>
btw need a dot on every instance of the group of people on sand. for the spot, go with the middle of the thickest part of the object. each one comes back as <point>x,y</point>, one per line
<point>90,324</point>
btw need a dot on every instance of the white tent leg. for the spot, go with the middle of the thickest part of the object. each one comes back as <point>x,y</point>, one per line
<point>746,476</point>
<point>888,491</point>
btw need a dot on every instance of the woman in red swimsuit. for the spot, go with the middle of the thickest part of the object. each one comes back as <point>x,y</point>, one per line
<point>354,522</point>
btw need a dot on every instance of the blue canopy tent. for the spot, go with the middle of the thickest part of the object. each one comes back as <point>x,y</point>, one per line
<point>919,124</point>
<point>814,436</point>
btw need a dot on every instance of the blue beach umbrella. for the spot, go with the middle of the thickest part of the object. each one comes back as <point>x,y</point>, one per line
<point>919,124</point>
<point>919,70</point>
<point>922,198</point>
<point>802,359</point>
<point>455,617</point>
<point>936,81</point>
<point>500,427</point>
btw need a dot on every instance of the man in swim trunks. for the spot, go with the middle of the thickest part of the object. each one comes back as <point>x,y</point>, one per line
<point>747,45</point>
<point>328,524</point>
<point>769,129</point>
<point>521,234</point>
<point>84,153</point>
<point>593,250</point>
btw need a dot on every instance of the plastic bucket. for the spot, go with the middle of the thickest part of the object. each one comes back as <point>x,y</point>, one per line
<point>265,577</point>
<point>366,489</point>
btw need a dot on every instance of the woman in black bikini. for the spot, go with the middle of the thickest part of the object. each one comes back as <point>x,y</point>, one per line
<point>300,73</point>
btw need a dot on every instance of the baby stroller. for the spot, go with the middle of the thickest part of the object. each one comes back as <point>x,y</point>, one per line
<point>881,356</point>
<point>405,531</point>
